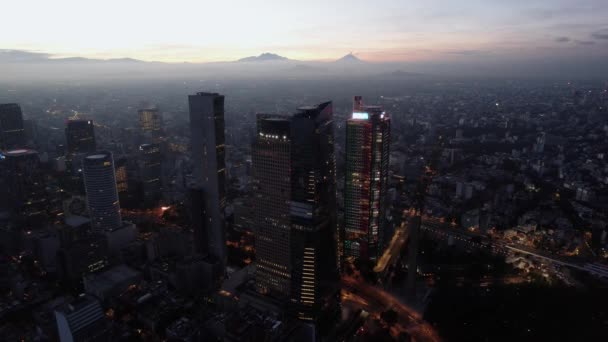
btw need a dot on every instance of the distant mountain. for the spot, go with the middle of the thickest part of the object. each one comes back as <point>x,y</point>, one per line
<point>125,60</point>
<point>21,56</point>
<point>18,56</point>
<point>94,60</point>
<point>350,59</point>
<point>265,57</point>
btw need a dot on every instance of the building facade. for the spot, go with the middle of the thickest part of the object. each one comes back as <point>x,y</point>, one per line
<point>150,170</point>
<point>294,177</point>
<point>22,188</point>
<point>271,158</point>
<point>82,320</point>
<point>102,194</point>
<point>366,180</point>
<point>208,158</point>
<point>12,132</point>
<point>150,122</point>
<point>80,136</point>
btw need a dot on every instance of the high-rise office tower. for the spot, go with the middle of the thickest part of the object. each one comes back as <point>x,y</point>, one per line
<point>294,176</point>
<point>271,157</point>
<point>80,136</point>
<point>366,178</point>
<point>208,151</point>
<point>102,196</point>
<point>22,186</point>
<point>150,122</point>
<point>198,220</point>
<point>150,173</point>
<point>313,210</point>
<point>12,133</point>
<point>122,175</point>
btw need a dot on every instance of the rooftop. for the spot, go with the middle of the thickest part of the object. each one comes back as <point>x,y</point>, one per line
<point>19,152</point>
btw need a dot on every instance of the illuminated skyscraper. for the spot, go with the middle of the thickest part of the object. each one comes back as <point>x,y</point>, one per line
<point>294,176</point>
<point>272,190</point>
<point>150,122</point>
<point>122,176</point>
<point>208,157</point>
<point>366,178</point>
<point>12,133</point>
<point>80,136</point>
<point>102,196</point>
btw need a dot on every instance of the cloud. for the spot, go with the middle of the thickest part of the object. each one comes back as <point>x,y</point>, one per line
<point>601,34</point>
<point>562,39</point>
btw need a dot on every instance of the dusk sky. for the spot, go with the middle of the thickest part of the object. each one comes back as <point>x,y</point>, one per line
<point>381,30</point>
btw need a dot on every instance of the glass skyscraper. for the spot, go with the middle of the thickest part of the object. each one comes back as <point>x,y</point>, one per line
<point>294,179</point>
<point>208,157</point>
<point>150,122</point>
<point>366,179</point>
<point>150,173</point>
<point>12,133</point>
<point>102,195</point>
<point>80,136</point>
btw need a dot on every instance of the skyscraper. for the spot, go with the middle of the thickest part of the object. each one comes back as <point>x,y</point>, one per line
<point>80,136</point>
<point>198,219</point>
<point>12,133</point>
<point>313,210</point>
<point>150,173</point>
<point>122,176</point>
<point>150,122</point>
<point>294,176</point>
<point>102,196</point>
<point>208,150</point>
<point>271,157</point>
<point>366,177</point>
<point>22,183</point>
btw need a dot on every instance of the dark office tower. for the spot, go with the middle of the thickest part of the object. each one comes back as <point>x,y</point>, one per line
<point>366,178</point>
<point>294,175</point>
<point>198,221</point>
<point>12,133</point>
<point>80,136</point>
<point>150,122</point>
<point>102,196</point>
<point>271,158</point>
<point>208,150</point>
<point>21,183</point>
<point>80,255</point>
<point>150,173</point>
<point>313,209</point>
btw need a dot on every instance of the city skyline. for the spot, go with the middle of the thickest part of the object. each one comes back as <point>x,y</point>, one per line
<point>385,31</point>
<point>304,171</point>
